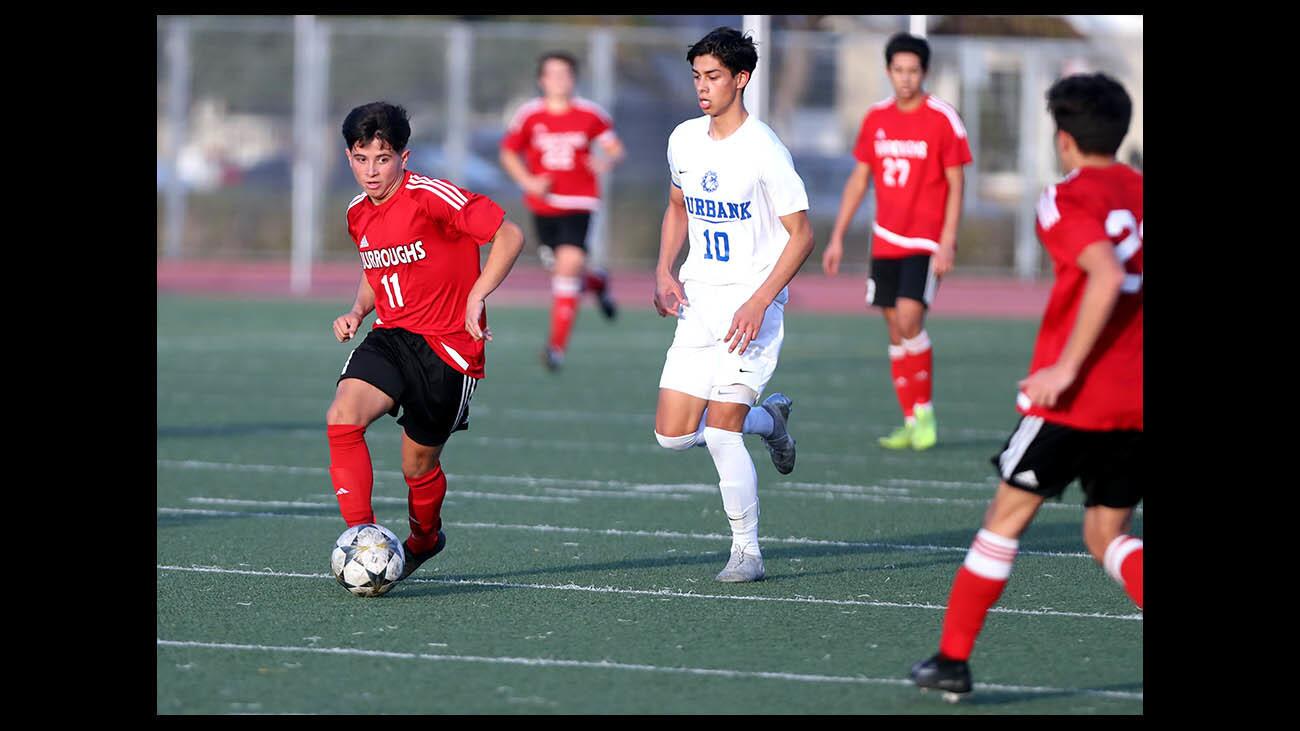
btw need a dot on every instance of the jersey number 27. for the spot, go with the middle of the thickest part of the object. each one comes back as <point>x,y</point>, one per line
<point>1117,222</point>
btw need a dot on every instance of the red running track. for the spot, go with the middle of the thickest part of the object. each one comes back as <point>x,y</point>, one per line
<point>529,285</point>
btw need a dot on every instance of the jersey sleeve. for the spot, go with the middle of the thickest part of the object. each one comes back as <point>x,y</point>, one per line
<point>515,139</point>
<point>1067,225</point>
<point>863,150</point>
<point>463,211</point>
<point>784,186</point>
<point>600,125</point>
<point>672,166</point>
<point>956,147</point>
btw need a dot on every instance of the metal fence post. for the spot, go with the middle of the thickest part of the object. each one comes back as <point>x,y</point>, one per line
<point>601,59</point>
<point>756,91</point>
<point>1027,252</point>
<point>308,98</point>
<point>178,105</point>
<point>459,62</point>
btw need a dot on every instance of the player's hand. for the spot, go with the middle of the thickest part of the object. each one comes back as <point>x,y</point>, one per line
<point>537,185</point>
<point>599,165</point>
<point>345,326</point>
<point>473,312</point>
<point>745,325</point>
<point>1045,386</point>
<point>832,256</point>
<point>943,259</point>
<point>669,296</point>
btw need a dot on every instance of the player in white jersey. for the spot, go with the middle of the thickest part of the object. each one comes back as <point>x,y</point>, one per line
<point>735,191</point>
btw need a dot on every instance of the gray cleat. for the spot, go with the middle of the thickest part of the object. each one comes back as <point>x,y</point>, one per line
<point>780,445</point>
<point>742,567</point>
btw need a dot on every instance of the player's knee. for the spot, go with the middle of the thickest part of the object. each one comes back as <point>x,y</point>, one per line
<point>413,468</point>
<point>677,444</point>
<point>1097,538</point>
<point>719,440</point>
<point>341,413</point>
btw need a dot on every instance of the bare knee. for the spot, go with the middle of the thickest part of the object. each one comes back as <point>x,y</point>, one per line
<point>1098,538</point>
<point>342,413</point>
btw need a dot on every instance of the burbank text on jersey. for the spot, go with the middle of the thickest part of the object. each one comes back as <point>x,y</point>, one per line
<point>392,256</point>
<point>717,211</point>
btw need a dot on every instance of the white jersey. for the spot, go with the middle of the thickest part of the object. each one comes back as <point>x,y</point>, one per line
<point>736,191</point>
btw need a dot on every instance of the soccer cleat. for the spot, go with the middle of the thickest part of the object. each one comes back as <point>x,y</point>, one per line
<point>780,444</point>
<point>552,358</point>
<point>900,438</point>
<point>940,673</point>
<point>413,560</point>
<point>547,255</point>
<point>742,567</point>
<point>925,431</point>
<point>608,307</point>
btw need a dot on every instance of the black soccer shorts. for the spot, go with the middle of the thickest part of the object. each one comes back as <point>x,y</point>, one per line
<point>433,396</point>
<point>570,228</point>
<point>911,277</point>
<point>1044,458</point>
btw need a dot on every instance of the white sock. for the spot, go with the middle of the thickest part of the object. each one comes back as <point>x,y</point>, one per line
<point>738,481</point>
<point>758,421</point>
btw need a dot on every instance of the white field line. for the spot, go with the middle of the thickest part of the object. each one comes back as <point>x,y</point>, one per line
<point>610,665</point>
<point>659,593</point>
<point>383,500</point>
<point>826,491</point>
<point>792,540</point>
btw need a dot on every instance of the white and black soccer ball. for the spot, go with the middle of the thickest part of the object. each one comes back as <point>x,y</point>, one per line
<point>367,559</point>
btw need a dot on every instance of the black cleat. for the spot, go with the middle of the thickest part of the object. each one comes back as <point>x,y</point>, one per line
<point>940,673</point>
<point>607,305</point>
<point>413,560</point>
<point>552,358</point>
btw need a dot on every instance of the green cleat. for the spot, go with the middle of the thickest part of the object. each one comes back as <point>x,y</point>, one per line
<point>925,431</point>
<point>901,438</point>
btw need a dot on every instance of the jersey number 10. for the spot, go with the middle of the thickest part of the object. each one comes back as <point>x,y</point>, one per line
<point>720,244</point>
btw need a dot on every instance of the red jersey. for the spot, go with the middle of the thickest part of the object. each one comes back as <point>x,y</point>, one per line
<point>559,146</point>
<point>419,252</point>
<point>908,152</point>
<point>1089,205</point>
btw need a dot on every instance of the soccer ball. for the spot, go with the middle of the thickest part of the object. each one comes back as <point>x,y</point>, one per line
<point>367,559</point>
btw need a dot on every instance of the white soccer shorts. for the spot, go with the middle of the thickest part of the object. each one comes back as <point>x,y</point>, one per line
<point>698,359</point>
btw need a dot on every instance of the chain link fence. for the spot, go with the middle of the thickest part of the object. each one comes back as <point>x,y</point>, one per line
<point>251,164</point>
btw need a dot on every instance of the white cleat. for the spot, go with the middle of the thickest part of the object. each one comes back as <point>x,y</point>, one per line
<point>780,445</point>
<point>742,567</point>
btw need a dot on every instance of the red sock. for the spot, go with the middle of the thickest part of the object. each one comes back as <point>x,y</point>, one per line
<point>564,310</point>
<point>1123,561</point>
<point>593,282</point>
<point>351,472</point>
<point>424,499</point>
<point>919,366</point>
<point>975,590</point>
<point>902,385</point>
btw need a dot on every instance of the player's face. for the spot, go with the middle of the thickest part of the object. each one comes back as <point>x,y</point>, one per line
<point>906,75</point>
<point>556,79</point>
<point>377,168</point>
<point>716,89</point>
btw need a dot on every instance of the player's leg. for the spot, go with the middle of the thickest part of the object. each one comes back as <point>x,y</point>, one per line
<point>1037,462</point>
<point>1112,483</point>
<point>596,281</point>
<point>917,285</point>
<point>436,405</point>
<point>882,292</point>
<point>367,389</point>
<point>568,236</point>
<point>679,420</point>
<point>737,479</point>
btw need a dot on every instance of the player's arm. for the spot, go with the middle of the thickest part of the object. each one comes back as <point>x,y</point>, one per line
<point>613,153</point>
<point>514,166</point>
<point>748,320</point>
<point>672,235</point>
<point>347,324</point>
<point>947,253</point>
<point>855,189</point>
<point>1105,276</point>
<point>506,245</point>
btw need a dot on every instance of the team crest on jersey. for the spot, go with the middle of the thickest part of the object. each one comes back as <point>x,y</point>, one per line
<point>710,181</point>
<point>880,133</point>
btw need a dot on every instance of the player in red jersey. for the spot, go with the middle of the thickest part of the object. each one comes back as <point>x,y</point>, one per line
<point>547,150</point>
<point>914,146</point>
<point>418,239</point>
<point>1081,405</point>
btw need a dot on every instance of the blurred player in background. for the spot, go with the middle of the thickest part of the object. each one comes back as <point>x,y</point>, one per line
<point>914,146</point>
<point>558,174</point>
<point>418,239</point>
<point>735,192</point>
<point>1081,405</point>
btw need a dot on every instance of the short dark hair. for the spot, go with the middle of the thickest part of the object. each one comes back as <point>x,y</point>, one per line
<point>908,43</point>
<point>564,56</point>
<point>735,50</point>
<point>1094,108</point>
<point>388,122</point>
